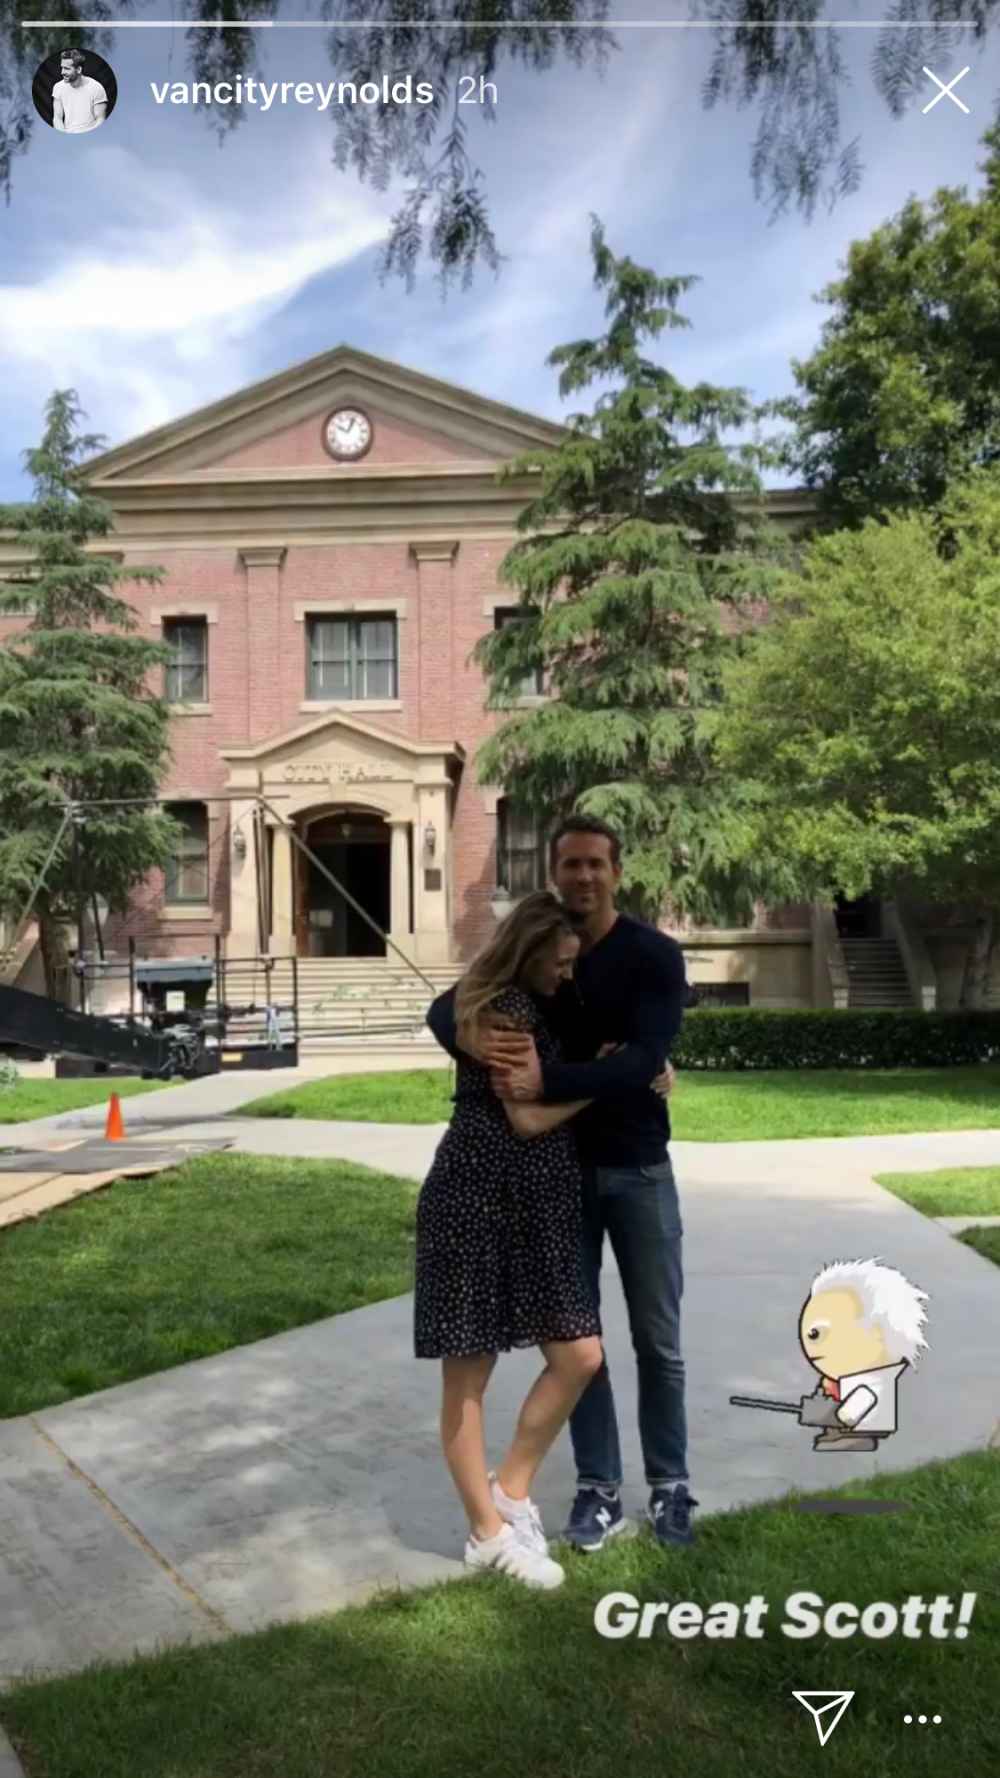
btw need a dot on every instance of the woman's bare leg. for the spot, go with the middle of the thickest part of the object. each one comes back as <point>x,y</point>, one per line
<point>569,1366</point>
<point>464,1383</point>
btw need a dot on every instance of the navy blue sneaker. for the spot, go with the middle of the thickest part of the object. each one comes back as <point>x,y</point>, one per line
<point>669,1513</point>
<point>595,1518</point>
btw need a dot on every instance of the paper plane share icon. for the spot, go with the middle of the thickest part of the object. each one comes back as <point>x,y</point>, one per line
<point>828,1705</point>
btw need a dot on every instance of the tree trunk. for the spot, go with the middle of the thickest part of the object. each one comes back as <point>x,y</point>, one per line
<point>979,959</point>
<point>55,955</point>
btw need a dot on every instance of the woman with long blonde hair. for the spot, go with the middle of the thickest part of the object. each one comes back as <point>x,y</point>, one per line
<point>499,1261</point>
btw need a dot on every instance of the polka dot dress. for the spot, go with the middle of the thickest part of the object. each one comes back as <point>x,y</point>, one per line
<point>499,1250</point>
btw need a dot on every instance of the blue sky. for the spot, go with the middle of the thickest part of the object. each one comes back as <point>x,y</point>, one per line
<point>154,271</point>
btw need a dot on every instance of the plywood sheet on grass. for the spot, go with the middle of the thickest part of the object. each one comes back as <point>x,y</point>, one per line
<point>25,1195</point>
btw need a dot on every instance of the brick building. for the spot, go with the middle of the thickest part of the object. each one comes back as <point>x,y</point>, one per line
<point>332,538</point>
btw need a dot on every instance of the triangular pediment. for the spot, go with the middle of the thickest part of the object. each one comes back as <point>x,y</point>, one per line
<point>276,427</point>
<point>341,738</point>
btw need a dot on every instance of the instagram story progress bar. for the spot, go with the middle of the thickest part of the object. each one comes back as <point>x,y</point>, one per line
<point>527,24</point>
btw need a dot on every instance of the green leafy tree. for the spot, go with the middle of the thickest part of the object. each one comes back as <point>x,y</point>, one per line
<point>868,712</point>
<point>902,396</point>
<point>640,553</point>
<point>77,719</point>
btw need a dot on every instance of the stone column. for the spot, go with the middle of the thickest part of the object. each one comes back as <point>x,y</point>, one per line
<point>399,882</point>
<point>431,935</point>
<point>282,941</point>
<point>242,939</point>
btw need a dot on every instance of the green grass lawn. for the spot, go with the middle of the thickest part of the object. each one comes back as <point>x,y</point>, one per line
<point>954,1191</point>
<point>704,1107</point>
<point>413,1096</point>
<point>149,1273</point>
<point>474,1676</point>
<point>480,1678</point>
<point>43,1098</point>
<point>948,1191</point>
<point>985,1241</point>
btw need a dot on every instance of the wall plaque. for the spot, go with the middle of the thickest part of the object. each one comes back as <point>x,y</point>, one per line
<point>334,771</point>
<point>306,774</point>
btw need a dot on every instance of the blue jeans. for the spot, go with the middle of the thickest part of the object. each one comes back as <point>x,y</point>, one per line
<point>638,1208</point>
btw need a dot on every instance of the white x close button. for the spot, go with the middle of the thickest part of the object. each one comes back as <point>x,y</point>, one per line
<point>946,92</point>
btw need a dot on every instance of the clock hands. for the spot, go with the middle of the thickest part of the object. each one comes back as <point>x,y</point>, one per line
<point>351,432</point>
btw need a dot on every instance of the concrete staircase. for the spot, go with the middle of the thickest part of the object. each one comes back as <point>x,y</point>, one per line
<point>875,973</point>
<point>375,1002</point>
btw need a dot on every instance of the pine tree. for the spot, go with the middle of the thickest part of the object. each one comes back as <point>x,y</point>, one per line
<point>645,554</point>
<point>77,717</point>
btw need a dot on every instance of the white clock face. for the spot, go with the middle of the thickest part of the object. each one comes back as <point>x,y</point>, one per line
<point>348,433</point>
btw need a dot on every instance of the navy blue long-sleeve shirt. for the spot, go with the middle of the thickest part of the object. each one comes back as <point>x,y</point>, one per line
<point>629,988</point>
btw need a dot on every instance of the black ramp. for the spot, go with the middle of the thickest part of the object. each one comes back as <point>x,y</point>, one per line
<point>102,1156</point>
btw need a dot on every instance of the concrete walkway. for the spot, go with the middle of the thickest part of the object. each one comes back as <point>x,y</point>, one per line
<point>215,1095</point>
<point>294,1475</point>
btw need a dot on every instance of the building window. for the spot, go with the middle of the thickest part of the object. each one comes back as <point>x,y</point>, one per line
<point>186,678</point>
<point>186,876</point>
<point>352,657</point>
<point>521,864</point>
<point>533,683</point>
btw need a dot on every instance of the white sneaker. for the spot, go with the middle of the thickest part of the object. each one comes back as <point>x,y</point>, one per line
<point>523,1515</point>
<point>508,1553</point>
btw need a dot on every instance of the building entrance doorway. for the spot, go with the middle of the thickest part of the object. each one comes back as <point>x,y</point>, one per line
<point>859,919</point>
<point>355,846</point>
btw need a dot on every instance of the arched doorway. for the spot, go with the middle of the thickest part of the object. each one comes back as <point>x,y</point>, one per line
<point>354,844</point>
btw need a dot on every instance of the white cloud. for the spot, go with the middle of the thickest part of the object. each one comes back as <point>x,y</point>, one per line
<point>155,315</point>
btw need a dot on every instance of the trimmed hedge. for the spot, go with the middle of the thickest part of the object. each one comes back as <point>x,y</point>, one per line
<point>717,1037</point>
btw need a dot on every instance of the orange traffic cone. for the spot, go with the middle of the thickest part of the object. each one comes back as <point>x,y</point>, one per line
<point>114,1129</point>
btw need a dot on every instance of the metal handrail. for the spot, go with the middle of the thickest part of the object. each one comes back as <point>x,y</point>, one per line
<point>72,810</point>
<point>348,897</point>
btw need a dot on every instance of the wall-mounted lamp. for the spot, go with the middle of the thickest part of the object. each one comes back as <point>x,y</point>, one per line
<point>501,902</point>
<point>430,838</point>
<point>240,843</point>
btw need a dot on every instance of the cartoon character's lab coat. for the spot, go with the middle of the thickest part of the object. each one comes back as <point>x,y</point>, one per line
<point>864,1402</point>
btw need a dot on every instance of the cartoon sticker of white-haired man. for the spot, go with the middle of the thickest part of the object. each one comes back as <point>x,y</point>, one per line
<point>861,1327</point>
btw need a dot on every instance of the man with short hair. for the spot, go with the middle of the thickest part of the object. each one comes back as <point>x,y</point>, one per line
<point>630,988</point>
<point>78,102</point>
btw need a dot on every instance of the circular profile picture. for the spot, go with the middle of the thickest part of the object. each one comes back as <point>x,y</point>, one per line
<point>75,91</point>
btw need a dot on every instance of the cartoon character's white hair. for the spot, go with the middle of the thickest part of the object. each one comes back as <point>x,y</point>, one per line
<point>888,1301</point>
